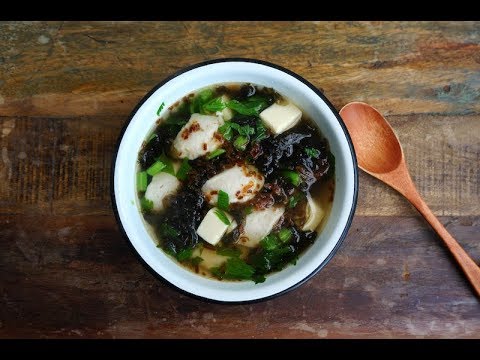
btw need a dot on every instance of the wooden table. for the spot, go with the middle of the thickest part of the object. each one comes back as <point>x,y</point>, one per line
<point>66,89</point>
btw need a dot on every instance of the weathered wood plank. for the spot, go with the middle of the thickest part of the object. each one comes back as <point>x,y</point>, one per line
<point>63,165</point>
<point>66,89</point>
<point>74,276</point>
<point>57,166</point>
<point>81,68</point>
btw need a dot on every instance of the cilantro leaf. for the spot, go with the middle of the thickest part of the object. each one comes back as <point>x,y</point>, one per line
<point>184,254</point>
<point>230,252</point>
<point>236,268</point>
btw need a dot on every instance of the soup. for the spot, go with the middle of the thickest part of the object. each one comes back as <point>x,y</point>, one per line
<point>235,181</point>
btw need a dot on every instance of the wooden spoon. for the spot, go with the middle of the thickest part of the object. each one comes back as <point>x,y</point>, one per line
<point>380,154</point>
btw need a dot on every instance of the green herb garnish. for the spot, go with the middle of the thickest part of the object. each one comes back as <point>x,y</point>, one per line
<point>269,242</point>
<point>142,181</point>
<point>242,129</point>
<point>215,153</point>
<point>248,210</point>
<point>226,131</point>
<point>274,259</point>
<point>312,152</point>
<point>294,199</point>
<point>285,235</point>
<point>155,168</point>
<point>241,142</point>
<point>292,176</point>
<point>230,252</point>
<point>168,164</point>
<point>244,132</point>
<point>217,272</point>
<point>185,254</point>
<point>250,106</point>
<point>222,216</point>
<point>261,132</point>
<point>196,260</point>
<point>146,204</point>
<point>214,105</point>
<point>236,268</point>
<point>223,201</point>
<point>160,108</point>
<point>202,98</point>
<point>184,169</point>
<point>168,231</point>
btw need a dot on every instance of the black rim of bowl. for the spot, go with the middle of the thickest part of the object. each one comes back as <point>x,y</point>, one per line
<point>355,171</point>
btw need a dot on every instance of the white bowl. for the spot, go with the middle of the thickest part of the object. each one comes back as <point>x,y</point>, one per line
<point>142,122</point>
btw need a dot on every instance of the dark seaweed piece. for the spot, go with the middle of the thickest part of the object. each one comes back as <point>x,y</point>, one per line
<point>160,142</point>
<point>184,215</point>
<point>273,150</point>
<point>290,154</point>
<point>247,90</point>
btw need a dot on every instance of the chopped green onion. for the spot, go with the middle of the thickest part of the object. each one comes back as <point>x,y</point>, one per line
<point>269,242</point>
<point>168,164</point>
<point>215,153</point>
<point>312,152</point>
<point>156,167</point>
<point>285,234</point>
<point>222,216</point>
<point>160,108</point>
<point>248,210</point>
<point>142,180</point>
<point>146,204</point>
<point>241,142</point>
<point>184,169</point>
<point>291,176</point>
<point>223,201</point>
<point>294,199</point>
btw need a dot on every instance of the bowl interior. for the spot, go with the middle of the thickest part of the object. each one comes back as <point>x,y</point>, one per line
<point>143,122</point>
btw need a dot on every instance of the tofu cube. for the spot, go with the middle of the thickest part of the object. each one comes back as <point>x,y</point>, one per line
<point>280,118</point>
<point>211,229</point>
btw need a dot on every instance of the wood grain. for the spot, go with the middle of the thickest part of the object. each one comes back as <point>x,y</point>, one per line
<point>83,68</point>
<point>67,276</point>
<point>66,89</point>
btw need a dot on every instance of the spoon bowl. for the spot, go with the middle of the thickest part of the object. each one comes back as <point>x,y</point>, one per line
<point>375,133</point>
<point>380,154</point>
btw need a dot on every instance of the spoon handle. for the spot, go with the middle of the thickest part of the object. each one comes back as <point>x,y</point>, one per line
<point>469,267</point>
